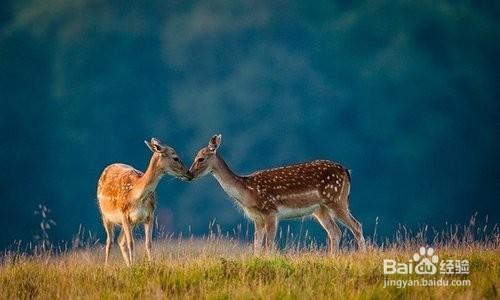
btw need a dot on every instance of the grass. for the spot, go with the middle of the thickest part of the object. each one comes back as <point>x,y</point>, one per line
<point>217,267</point>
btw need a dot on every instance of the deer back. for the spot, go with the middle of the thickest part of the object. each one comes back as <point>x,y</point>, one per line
<point>293,185</point>
<point>115,185</point>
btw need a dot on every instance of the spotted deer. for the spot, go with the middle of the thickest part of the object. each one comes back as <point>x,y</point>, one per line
<point>320,188</point>
<point>127,196</point>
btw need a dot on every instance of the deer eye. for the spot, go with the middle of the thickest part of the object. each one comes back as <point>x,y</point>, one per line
<point>201,159</point>
<point>176,159</point>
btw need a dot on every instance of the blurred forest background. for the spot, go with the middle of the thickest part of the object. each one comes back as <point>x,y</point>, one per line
<point>404,93</point>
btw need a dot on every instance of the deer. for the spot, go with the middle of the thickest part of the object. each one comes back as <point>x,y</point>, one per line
<point>127,197</point>
<point>319,188</point>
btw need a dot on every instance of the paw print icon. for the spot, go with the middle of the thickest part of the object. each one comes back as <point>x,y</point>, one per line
<point>426,261</point>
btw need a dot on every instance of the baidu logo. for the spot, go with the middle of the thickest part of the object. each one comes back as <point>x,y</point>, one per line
<point>426,262</point>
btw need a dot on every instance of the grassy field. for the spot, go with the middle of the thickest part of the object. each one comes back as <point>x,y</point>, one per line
<point>220,268</point>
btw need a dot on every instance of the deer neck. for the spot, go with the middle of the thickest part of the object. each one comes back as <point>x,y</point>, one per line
<point>148,182</point>
<point>231,183</point>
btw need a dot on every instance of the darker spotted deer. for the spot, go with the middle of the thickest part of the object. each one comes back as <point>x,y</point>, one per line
<point>320,188</point>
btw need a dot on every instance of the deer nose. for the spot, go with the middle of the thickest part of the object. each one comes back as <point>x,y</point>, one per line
<point>189,175</point>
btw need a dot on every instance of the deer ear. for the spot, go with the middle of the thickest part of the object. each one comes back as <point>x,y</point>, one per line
<point>149,146</point>
<point>154,145</point>
<point>214,142</point>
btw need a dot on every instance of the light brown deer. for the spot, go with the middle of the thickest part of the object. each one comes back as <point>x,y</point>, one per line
<point>127,196</point>
<point>320,188</point>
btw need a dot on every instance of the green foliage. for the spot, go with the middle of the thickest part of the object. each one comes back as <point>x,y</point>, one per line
<point>404,93</point>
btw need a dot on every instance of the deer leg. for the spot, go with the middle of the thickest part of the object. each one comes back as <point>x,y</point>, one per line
<point>122,241</point>
<point>127,230</point>
<point>258,236</point>
<point>354,226</point>
<point>148,232</point>
<point>108,226</point>
<point>271,223</point>
<point>332,229</point>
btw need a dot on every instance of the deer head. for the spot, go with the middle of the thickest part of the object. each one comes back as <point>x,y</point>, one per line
<point>167,160</point>
<point>205,160</point>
